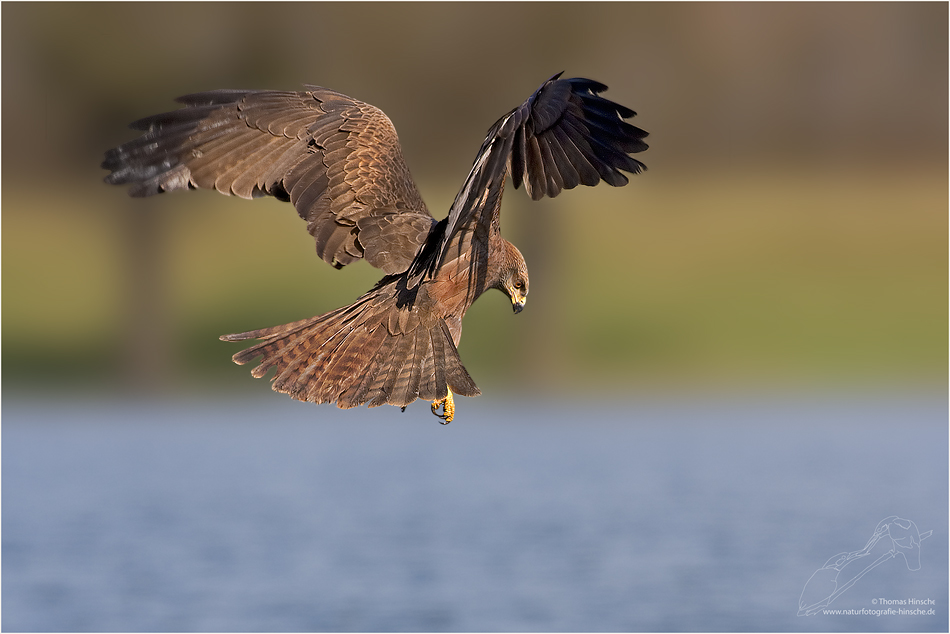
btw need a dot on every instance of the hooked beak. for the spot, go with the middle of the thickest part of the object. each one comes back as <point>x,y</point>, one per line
<point>517,305</point>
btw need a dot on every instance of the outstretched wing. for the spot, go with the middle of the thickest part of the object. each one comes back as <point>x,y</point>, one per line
<point>336,159</point>
<point>563,136</point>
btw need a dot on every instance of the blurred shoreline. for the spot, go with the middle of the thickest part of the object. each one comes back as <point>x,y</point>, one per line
<point>791,229</point>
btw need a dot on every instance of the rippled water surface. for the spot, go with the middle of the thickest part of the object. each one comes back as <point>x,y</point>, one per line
<point>274,515</point>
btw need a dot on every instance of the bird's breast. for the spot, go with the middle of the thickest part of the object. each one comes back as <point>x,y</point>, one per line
<point>454,288</point>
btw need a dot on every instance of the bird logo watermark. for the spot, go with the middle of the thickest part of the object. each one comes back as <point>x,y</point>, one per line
<point>893,536</point>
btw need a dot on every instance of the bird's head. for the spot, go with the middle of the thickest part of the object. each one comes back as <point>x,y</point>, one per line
<point>514,277</point>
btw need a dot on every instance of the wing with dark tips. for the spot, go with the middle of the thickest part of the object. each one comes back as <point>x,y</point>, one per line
<point>336,159</point>
<point>563,136</point>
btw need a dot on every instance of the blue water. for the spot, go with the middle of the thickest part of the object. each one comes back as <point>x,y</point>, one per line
<point>274,515</point>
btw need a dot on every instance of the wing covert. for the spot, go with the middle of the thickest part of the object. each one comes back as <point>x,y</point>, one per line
<point>562,136</point>
<point>336,159</point>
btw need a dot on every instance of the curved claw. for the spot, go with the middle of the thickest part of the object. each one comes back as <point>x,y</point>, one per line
<point>448,408</point>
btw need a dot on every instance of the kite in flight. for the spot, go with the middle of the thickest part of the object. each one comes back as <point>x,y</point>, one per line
<point>339,163</point>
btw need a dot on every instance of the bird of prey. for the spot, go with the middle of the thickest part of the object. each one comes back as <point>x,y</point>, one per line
<point>339,163</point>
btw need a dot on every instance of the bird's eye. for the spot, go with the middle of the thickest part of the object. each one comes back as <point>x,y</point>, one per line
<point>519,285</point>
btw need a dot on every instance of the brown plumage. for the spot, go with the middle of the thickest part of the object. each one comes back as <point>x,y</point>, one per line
<point>339,162</point>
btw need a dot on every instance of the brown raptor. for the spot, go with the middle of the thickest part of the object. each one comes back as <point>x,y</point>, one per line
<point>339,163</point>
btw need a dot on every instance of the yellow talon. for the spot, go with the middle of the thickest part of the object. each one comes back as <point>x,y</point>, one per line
<point>448,408</point>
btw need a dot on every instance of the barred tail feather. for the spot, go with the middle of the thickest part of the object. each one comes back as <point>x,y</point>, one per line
<point>350,357</point>
<point>456,375</point>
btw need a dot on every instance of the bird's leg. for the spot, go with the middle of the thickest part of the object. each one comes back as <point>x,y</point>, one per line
<point>448,408</point>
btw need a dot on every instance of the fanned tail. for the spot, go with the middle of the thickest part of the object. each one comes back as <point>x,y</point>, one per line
<point>359,354</point>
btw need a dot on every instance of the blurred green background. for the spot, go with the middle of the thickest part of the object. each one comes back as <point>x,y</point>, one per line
<point>791,231</point>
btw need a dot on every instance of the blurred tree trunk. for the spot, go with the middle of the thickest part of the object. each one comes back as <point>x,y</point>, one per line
<point>147,357</point>
<point>541,359</point>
